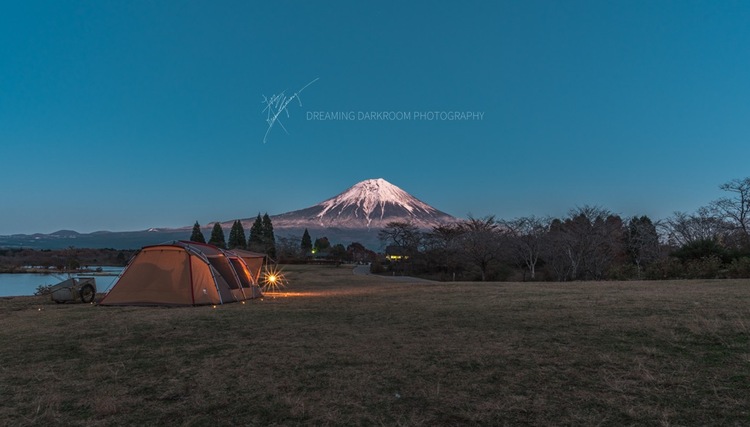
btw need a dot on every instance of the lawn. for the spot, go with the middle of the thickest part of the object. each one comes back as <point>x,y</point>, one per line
<point>339,349</point>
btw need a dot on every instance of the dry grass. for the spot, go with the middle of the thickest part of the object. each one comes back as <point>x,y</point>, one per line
<point>340,349</point>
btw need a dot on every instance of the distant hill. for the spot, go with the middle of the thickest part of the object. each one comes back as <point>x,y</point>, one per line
<point>95,240</point>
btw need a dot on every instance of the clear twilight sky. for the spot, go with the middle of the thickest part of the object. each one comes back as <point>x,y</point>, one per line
<point>125,115</point>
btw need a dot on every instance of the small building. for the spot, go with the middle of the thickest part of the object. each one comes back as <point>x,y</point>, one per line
<point>396,253</point>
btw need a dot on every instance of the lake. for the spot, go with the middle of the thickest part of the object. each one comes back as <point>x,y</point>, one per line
<point>26,283</point>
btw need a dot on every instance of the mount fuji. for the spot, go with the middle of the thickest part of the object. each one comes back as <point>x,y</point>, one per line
<point>370,205</point>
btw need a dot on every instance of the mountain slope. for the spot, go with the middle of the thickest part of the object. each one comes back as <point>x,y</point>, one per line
<point>366,205</point>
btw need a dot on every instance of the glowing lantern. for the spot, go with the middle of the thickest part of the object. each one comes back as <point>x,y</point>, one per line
<point>273,279</point>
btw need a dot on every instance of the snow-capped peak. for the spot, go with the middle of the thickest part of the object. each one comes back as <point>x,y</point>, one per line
<point>370,198</point>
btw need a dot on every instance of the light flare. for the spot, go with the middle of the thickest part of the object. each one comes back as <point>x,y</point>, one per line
<point>273,279</point>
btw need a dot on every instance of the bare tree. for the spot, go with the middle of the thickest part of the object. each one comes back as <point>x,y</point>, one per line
<point>555,251</point>
<point>480,243</point>
<point>683,228</point>
<point>590,240</point>
<point>441,247</point>
<point>735,210</point>
<point>526,238</point>
<point>642,241</point>
<point>608,247</point>
<point>407,238</point>
<point>405,235</point>
<point>580,238</point>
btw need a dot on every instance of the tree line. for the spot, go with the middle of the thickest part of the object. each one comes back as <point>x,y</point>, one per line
<point>589,243</point>
<point>20,259</point>
<point>261,236</point>
<point>287,249</point>
<point>305,250</point>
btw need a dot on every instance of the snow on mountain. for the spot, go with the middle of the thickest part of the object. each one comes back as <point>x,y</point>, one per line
<point>368,204</point>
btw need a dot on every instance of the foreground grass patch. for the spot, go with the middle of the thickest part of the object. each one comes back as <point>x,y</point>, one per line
<point>334,348</point>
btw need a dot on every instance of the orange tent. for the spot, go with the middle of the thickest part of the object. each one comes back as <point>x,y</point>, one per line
<point>254,261</point>
<point>184,273</point>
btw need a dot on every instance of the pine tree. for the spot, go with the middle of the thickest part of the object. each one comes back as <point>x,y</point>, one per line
<point>306,244</point>
<point>255,241</point>
<point>269,240</point>
<point>197,235</point>
<point>241,236</point>
<point>232,242</point>
<point>237,236</point>
<point>217,236</point>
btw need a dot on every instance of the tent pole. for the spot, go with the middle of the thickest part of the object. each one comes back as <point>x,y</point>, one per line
<point>192,284</point>
<point>130,262</point>
<point>234,272</point>
<point>211,269</point>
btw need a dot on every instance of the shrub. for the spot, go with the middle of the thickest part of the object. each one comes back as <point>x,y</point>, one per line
<point>623,272</point>
<point>376,267</point>
<point>701,249</point>
<point>704,268</point>
<point>739,268</point>
<point>667,268</point>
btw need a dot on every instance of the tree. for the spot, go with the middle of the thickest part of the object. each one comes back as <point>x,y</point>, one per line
<point>701,249</point>
<point>357,252</point>
<point>685,228</point>
<point>217,236</point>
<point>442,248</point>
<point>241,242</point>
<point>322,244</point>
<point>641,242</point>
<point>406,239</point>
<point>555,251</point>
<point>585,245</point>
<point>288,249</point>
<point>269,240</point>
<point>255,241</point>
<point>405,235</point>
<point>525,238</point>
<point>480,243</point>
<point>197,235</point>
<point>338,252</point>
<point>306,244</point>
<point>609,246</point>
<point>735,210</point>
<point>237,236</point>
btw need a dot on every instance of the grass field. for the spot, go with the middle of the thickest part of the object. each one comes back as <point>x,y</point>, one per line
<point>340,349</point>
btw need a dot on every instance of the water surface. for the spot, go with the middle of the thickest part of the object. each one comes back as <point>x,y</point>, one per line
<point>26,283</point>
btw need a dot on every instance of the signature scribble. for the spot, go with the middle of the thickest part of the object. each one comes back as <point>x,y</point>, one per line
<point>277,104</point>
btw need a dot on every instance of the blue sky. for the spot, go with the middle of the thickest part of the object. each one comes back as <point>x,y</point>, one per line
<point>128,115</point>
